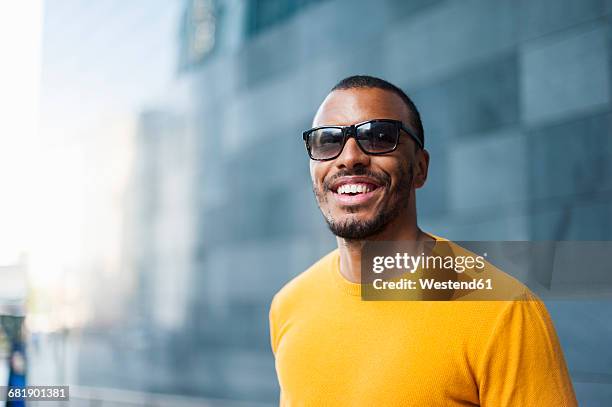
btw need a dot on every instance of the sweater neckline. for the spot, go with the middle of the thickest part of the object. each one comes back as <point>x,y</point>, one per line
<point>346,286</point>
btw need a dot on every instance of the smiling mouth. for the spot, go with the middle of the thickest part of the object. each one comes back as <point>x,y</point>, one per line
<point>355,193</point>
<point>355,189</point>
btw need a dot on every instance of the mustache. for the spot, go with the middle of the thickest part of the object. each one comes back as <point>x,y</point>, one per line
<point>381,178</point>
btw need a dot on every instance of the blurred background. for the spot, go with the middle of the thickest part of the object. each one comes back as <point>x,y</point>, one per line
<point>155,186</point>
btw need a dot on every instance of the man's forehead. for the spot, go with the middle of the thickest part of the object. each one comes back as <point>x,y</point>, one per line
<point>349,106</point>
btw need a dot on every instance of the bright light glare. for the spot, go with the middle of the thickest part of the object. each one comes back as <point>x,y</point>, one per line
<point>20,73</point>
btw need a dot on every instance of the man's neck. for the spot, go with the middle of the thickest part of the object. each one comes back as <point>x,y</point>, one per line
<point>350,250</point>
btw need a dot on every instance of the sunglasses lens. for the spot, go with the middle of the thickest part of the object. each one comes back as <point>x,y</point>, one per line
<point>325,143</point>
<point>377,137</point>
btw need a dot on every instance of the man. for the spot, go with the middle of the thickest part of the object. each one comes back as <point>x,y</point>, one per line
<point>367,158</point>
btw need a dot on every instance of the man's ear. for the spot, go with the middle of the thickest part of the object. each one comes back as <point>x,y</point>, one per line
<point>421,167</point>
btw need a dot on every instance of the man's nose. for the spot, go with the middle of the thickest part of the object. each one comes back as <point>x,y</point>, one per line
<point>352,156</point>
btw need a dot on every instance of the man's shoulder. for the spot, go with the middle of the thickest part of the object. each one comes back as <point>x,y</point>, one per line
<point>503,286</point>
<point>308,281</point>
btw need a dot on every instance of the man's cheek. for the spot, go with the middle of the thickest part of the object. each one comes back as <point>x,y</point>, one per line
<point>314,174</point>
<point>319,193</point>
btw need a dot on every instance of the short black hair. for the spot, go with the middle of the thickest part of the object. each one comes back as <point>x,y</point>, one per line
<point>366,81</point>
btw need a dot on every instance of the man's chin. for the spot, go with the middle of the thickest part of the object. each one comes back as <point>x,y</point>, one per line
<point>361,213</point>
<point>355,227</point>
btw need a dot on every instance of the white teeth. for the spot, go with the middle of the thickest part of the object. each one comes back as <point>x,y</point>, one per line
<point>354,189</point>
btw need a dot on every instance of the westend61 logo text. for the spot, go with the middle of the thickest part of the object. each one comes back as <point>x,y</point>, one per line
<point>404,261</point>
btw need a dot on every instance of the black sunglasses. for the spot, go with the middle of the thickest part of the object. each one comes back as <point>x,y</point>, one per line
<point>375,137</point>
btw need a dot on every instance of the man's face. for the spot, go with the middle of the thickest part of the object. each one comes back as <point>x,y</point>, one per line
<point>384,182</point>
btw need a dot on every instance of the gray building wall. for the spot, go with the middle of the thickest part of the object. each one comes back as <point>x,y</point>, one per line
<point>515,101</point>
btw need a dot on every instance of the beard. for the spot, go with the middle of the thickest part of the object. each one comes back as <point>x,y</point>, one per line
<point>353,229</point>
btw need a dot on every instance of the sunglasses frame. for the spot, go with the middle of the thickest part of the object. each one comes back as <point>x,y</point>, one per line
<point>351,131</point>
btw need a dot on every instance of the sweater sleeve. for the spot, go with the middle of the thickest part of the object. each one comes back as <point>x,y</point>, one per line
<point>522,363</point>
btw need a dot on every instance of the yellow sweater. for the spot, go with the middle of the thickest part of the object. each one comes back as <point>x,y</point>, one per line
<point>332,349</point>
